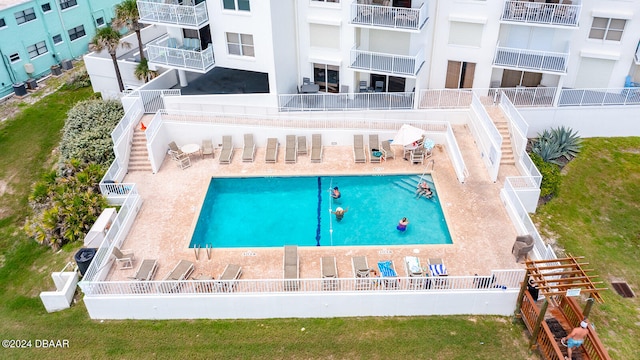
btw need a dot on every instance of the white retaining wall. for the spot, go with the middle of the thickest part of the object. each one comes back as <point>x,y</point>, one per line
<point>589,121</point>
<point>303,305</point>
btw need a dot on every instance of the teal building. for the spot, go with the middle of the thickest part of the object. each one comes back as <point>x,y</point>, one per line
<point>38,34</point>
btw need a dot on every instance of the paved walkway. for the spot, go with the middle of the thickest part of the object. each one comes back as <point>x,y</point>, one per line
<point>480,227</point>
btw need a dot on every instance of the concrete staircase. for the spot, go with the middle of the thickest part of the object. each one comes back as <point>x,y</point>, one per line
<point>503,127</point>
<point>507,151</point>
<point>139,157</point>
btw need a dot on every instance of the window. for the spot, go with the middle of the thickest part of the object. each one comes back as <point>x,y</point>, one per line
<point>37,49</point>
<point>327,77</point>
<point>57,39</point>
<point>607,29</point>
<point>65,4</point>
<point>25,16</point>
<point>14,57</point>
<point>326,36</point>
<point>460,75</point>
<point>76,32</point>
<point>100,21</point>
<point>2,23</point>
<point>240,5</point>
<point>46,7</point>
<point>240,44</point>
<point>465,33</point>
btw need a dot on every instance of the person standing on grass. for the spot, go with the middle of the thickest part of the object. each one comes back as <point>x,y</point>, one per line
<point>575,338</point>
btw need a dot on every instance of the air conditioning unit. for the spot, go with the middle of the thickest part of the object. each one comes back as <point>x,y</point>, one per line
<point>56,70</point>
<point>66,64</point>
<point>32,84</point>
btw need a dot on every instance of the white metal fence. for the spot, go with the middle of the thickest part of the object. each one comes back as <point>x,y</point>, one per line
<point>389,16</point>
<point>346,101</point>
<point>541,13</point>
<point>159,11</point>
<point>115,235</point>
<point>599,97</point>
<point>487,137</point>
<point>531,59</point>
<point>498,279</point>
<point>387,63</point>
<point>162,52</point>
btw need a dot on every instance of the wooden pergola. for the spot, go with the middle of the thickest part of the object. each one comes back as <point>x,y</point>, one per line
<point>559,277</point>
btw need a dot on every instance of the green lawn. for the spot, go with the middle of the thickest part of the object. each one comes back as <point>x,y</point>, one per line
<point>28,143</point>
<point>597,215</point>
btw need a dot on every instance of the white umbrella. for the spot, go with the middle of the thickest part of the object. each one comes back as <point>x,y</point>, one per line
<point>407,135</point>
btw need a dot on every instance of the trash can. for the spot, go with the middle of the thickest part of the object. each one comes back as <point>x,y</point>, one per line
<point>83,258</point>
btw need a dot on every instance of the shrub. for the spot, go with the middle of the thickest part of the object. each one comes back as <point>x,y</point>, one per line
<point>78,79</point>
<point>87,132</point>
<point>551,178</point>
<point>568,141</point>
<point>559,142</point>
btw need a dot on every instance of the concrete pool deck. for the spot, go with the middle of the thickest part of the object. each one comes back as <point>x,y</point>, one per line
<point>481,230</point>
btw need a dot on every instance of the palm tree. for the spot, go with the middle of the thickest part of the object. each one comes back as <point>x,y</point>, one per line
<point>142,71</point>
<point>106,38</point>
<point>127,16</point>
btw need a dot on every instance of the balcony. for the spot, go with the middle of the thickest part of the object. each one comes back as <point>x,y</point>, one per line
<point>389,17</point>
<point>540,13</point>
<point>387,63</point>
<point>523,59</point>
<point>168,52</point>
<point>172,13</point>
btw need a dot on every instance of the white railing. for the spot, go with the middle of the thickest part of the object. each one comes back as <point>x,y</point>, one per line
<point>346,101</point>
<point>389,16</point>
<point>445,99</point>
<point>160,52</point>
<point>461,98</point>
<point>153,100</point>
<point>599,97</point>
<point>500,279</point>
<point>510,191</point>
<point>181,116</point>
<point>115,236</point>
<point>387,63</point>
<point>487,137</point>
<point>540,13</point>
<point>531,59</point>
<point>163,12</point>
<point>529,96</point>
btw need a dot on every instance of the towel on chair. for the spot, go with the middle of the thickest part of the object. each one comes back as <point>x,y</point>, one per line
<point>437,269</point>
<point>414,264</point>
<point>386,268</point>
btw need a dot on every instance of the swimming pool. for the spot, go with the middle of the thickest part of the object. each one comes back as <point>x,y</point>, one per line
<point>277,211</point>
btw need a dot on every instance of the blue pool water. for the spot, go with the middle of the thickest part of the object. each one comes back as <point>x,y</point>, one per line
<point>274,211</point>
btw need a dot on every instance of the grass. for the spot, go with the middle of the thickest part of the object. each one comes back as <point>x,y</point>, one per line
<point>596,215</point>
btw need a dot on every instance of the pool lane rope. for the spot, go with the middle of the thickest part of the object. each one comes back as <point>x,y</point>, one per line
<point>319,211</point>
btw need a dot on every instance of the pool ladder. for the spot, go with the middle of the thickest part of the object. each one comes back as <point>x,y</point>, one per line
<point>197,248</point>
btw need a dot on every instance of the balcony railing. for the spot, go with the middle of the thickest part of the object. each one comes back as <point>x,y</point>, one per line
<point>159,52</point>
<point>540,13</point>
<point>389,16</point>
<point>348,101</point>
<point>165,12</point>
<point>387,63</point>
<point>531,59</point>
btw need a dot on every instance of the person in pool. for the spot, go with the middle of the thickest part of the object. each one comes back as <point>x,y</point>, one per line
<point>335,193</point>
<point>402,224</point>
<point>423,189</point>
<point>340,213</point>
